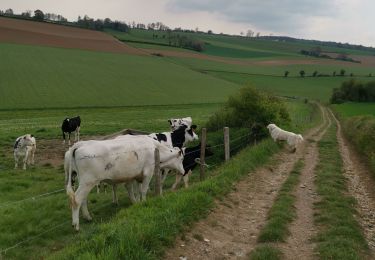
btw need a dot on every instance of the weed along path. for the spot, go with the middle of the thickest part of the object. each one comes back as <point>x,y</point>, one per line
<point>361,187</point>
<point>232,228</point>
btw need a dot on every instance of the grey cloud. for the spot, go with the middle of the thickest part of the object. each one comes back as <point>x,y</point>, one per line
<point>272,15</point>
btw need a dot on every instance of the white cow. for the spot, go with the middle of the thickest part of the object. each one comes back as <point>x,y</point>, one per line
<point>279,134</point>
<point>120,160</point>
<point>25,146</point>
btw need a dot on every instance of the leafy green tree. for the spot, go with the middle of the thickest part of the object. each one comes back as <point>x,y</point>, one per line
<point>342,72</point>
<point>302,73</point>
<point>38,15</point>
<point>286,73</point>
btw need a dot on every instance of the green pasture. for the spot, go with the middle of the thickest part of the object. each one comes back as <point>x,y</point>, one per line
<point>51,214</point>
<point>355,109</point>
<point>41,77</point>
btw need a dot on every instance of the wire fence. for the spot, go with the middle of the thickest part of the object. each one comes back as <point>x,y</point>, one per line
<point>31,198</point>
<point>236,144</point>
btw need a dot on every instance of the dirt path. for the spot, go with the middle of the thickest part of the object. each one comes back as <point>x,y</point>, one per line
<point>361,187</point>
<point>231,229</point>
<point>299,244</point>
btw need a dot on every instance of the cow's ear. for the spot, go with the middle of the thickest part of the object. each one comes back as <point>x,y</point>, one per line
<point>193,127</point>
<point>170,122</point>
<point>24,137</point>
<point>32,135</point>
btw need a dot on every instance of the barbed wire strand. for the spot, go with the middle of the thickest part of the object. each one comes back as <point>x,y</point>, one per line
<point>36,197</point>
<point>44,232</point>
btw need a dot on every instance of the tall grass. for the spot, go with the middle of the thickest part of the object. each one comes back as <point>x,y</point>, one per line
<point>360,130</point>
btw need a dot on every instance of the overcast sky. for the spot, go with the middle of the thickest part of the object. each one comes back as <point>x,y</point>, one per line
<point>331,20</point>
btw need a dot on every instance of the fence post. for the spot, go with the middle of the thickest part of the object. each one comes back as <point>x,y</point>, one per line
<point>226,143</point>
<point>157,173</point>
<point>203,153</point>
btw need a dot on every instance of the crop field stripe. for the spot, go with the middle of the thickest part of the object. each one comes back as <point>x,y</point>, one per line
<point>339,236</point>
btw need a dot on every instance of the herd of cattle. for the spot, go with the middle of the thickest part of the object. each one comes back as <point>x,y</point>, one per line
<point>127,159</point>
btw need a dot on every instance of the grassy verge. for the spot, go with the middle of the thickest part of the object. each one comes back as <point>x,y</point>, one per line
<point>143,231</point>
<point>282,211</point>
<point>360,130</point>
<point>279,217</point>
<point>339,235</point>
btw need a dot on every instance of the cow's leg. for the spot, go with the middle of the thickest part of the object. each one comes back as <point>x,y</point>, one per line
<point>15,160</point>
<point>32,156</point>
<point>85,210</point>
<point>25,159</point>
<point>69,138</point>
<point>186,179</point>
<point>146,182</point>
<point>98,188</point>
<point>137,190</point>
<point>164,174</point>
<point>77,133</point>
<point>64,137</point>
<point>130,188</point>
<point>81,196</point>
<point>114,194</point>
<point>178,179</point>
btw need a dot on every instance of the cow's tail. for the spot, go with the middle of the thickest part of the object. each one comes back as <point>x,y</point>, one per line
<point>300,138</point>
<point>69,188</point>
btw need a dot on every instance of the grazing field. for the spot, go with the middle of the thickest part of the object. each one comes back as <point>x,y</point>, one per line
<point>26,215</point>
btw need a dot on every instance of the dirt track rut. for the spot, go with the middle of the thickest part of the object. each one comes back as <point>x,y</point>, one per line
<point>231,229</point>
<point>361,186</point>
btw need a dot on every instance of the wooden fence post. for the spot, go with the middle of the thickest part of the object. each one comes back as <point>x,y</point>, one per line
<point>157,173</point>
<point>226,143</point>
<point>203,153</point>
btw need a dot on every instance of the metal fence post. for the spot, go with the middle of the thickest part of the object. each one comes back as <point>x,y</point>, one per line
<point>203,153</point>
<point>226,143</point>
<point>157,173</point>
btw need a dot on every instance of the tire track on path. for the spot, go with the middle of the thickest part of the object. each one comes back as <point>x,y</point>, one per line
<point>231,229</point>
<point>299,244</point>
<point>360,185</point>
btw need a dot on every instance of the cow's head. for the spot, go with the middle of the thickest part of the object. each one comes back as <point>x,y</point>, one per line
<point>175,162</point>
<point>175,123</point>
<point>28,140</point>
<point>190,134</point>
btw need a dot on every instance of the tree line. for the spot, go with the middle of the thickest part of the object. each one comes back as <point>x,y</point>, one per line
<point>354,91</point>
<point>85,22</point>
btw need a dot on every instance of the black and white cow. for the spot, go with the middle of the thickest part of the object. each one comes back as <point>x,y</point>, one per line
<point>25,147</point>
<point>175,123</point>
<point>70,125</point>
<point>177,138</point>
<point>189,163</point>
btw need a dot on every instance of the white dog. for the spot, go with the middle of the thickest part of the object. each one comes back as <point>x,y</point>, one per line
<point>279,134</point>
<point>25,147</point>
